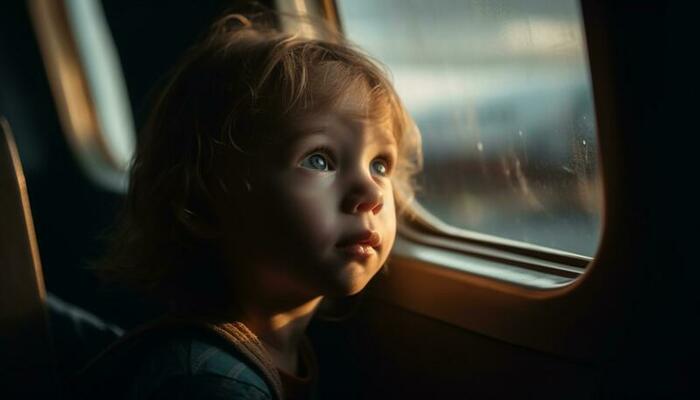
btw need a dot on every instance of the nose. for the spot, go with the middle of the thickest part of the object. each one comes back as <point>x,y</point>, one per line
<point>364,196</point>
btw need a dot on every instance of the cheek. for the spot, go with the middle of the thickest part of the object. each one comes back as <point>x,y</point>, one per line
<point>388,218</point>
<point>306,212</point>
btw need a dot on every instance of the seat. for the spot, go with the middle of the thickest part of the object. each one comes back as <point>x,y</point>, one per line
<point>43,339</point>
<point>25,344</point>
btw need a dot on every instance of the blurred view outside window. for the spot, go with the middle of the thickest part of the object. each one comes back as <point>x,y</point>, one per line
<point>501,92</point>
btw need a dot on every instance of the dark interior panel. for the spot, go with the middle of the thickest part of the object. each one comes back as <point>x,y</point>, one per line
<point>395,353</point>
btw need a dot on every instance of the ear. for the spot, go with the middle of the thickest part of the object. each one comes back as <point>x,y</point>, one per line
<point>229,198</point>
<point>200,226</point>
<point>241,186</point>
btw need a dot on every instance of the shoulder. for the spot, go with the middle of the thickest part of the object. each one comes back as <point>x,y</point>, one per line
<point>191,367</point>
<point>207,387</point>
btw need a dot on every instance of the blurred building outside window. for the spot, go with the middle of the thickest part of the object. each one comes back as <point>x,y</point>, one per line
<point>501,93</point>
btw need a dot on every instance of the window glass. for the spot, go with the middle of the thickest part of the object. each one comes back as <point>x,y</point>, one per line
<point>501,92</point>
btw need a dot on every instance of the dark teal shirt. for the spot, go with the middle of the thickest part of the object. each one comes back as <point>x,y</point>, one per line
<point>189,368</point>
<point>172,362</point>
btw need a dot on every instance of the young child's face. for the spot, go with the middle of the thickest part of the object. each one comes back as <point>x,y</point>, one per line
<point>320,219</point>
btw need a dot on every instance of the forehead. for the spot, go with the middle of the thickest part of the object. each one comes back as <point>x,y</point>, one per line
<point>343,126</point>
<point>355,110</point>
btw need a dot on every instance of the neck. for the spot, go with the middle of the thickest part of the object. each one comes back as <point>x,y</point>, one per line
<point>272,306</point>
<point>280,328</point>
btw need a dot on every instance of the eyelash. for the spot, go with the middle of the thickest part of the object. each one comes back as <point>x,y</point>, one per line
<point>327,152</point>
<point>388,163</point>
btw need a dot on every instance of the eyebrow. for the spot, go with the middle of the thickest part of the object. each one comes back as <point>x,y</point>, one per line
<point>294,131</point>
<point>382,136</point>
<point>300,135</point>
<point>385,136</point>
<point>290,140</point>
<point>388,138</point>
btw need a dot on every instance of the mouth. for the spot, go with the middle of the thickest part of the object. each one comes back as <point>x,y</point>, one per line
<point>361,245</point>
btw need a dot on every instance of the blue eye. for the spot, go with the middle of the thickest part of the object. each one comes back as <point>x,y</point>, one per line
<point>316,161</point>
<point>379,167</point>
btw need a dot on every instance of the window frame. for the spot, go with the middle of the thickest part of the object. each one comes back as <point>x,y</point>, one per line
<point>91,100</point>
<point>566,318</point>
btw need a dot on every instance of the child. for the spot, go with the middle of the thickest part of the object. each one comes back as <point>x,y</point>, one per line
<point>267,179</point>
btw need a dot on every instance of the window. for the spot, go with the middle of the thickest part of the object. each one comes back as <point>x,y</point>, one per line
<point>88,87</point>
<point>501,92</point>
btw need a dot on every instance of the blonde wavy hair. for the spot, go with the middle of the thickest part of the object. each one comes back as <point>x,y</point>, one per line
<point>230,95</point>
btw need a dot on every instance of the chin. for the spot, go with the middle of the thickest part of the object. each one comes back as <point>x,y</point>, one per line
<point>342,288</point>
<point>350,285</point>
<point>354,289</point>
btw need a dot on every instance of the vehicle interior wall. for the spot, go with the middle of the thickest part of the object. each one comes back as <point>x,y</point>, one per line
<point>72,215</point>
<point>642,331</point>
<point>641,325</point>
<point>69,212</point>
<point>389,352</point>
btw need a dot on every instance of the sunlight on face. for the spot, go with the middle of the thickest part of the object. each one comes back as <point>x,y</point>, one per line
<point>322,219</point>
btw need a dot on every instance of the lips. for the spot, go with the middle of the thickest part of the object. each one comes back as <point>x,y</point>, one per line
<point>367,238</point>
<point>361,245</point>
